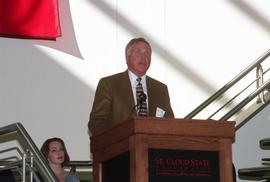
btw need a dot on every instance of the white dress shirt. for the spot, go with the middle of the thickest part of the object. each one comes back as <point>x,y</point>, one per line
<point>133,81</point>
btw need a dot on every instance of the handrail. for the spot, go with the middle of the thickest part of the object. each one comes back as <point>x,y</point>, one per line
<point>229,101</point>
<point>10,149</point>
<point>11,165</point>
<point>28,144</point>
<point>80,163</point>
<point>245,101</point>
<point>228,86</point>
<point>265,143</point>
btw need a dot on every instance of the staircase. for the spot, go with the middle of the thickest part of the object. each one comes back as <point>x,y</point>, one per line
<point>23,161</point>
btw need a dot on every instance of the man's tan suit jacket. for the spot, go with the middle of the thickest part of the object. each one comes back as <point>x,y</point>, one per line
<point>114,102</point>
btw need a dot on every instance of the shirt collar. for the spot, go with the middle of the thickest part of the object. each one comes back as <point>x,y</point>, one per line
<point>133,78</point>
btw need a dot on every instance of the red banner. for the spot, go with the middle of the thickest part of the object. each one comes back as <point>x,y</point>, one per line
<point>34,19</point>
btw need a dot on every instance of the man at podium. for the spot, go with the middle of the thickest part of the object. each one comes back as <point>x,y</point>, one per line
<point>121,96</point>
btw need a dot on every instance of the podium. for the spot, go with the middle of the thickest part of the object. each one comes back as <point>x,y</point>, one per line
<point>147,149</point>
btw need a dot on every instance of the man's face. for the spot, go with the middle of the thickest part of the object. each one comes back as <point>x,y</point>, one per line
<point>139,58</point>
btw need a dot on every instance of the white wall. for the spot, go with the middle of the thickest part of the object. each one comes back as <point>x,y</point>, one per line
<point>198,46</point>
<point>246,148</point>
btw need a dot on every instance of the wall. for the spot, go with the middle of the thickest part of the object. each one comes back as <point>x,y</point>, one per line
<point>246,148</point>
<point>198,46</point>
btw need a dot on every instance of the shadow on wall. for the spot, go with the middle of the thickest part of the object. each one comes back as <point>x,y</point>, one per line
<point>173,61</point>
<point>67,43</point>
<point>38,92</point>
<point>252,13</point>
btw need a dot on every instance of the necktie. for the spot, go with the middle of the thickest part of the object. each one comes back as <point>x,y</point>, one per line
<point>142,106</point>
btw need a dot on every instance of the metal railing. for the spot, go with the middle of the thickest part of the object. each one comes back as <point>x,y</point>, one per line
<point>30,159</point>
<point>28,162</point>
<point>81,164</point>
<point>225,112</point>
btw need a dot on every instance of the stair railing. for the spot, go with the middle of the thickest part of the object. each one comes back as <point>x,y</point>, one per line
<point>31,156</point>
<point>261,86</point>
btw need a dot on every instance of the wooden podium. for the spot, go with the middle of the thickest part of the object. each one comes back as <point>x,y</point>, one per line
<point>167,148</point>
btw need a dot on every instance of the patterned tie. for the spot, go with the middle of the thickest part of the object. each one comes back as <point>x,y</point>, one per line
<point>142,108</point>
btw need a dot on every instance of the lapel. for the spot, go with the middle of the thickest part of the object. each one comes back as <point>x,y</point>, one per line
<point>150,93</point>
<point>126,90</point>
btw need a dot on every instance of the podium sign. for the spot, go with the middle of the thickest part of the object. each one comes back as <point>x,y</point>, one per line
<point>183,165</point>
<point>162,150</point>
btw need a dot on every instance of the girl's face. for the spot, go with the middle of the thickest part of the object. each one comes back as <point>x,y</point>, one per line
<point>56,153</point>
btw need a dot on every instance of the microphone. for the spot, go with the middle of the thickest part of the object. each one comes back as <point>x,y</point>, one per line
<point>141,98</point>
